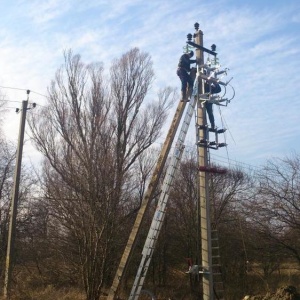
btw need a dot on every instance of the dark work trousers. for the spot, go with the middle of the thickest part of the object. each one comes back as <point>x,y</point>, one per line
<point>209,110</point>
<point>213,89</point>
<point>185,78</point>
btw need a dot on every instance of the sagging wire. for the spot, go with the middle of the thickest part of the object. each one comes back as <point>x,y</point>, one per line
<point>232,90</point>
<point>20,89</point>
<point>224,123</point>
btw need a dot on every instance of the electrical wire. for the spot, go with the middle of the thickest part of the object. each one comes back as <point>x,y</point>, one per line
<point>229,161</point>
<point>233,92</point>
<point>5,100</point>
<point>13,88</point>
<point>20,89</point>
<point>190,148</point>
<point>8,107</point>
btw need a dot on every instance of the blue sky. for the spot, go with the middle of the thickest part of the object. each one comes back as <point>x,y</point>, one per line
<point>258,41</point>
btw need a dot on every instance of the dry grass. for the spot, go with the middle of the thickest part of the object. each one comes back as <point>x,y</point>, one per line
<point>49,293</point>
<point>179,286</point>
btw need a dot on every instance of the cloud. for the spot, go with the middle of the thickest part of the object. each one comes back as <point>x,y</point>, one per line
<point>43,12</point>
<point>257,42</point>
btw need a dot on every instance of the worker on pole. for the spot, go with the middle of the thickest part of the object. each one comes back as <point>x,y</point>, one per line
<point>183,72</point>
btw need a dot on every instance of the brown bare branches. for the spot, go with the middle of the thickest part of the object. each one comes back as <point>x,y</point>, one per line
<point>92,135</point>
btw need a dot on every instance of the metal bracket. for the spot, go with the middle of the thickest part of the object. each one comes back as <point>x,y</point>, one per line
<point>202,48</point>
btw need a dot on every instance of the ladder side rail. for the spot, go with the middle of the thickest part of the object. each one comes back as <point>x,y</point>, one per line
<point>155,228</point>
<point>145,203</point>
<point>155,225</point>
<point>173,164</point>
<point>161,206</point>
<point>159,215</point>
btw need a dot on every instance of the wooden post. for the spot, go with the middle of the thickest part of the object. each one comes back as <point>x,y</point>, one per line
<point>146,201</point>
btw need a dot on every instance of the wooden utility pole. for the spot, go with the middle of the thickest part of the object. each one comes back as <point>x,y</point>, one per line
<point>203,181</point>
<point>146,201</point>
<point>14,204</point>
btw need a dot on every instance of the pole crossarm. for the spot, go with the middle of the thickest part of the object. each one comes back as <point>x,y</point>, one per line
<point>202,48</point>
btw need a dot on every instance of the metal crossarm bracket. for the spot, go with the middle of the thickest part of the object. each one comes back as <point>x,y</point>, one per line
<point>202,48</point>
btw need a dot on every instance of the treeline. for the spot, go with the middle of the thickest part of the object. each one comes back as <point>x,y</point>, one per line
<point>75,213</point>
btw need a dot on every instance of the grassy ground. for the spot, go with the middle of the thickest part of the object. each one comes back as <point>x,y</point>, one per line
<point>48,293</point>
<point>180,287</point>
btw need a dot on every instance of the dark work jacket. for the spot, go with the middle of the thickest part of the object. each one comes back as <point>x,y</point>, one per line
<point>185,62</point>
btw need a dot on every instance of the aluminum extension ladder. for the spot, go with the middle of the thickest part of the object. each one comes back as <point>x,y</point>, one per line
<point>159,215</point>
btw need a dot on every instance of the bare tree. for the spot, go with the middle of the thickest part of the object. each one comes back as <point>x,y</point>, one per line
<point>228,191</point>
<point>7,162</point>
<point>7,165</point>
<point>183,207</point>
<point>92,134</point>
<point>276,207</point>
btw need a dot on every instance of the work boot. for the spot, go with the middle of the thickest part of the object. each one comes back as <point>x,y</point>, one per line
<point>183,97</point>
<point>212,127</point>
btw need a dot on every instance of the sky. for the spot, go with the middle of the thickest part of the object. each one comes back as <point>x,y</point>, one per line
<point>259,41</point>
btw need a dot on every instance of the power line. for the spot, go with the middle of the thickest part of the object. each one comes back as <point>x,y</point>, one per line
<point>6,107</point>
<point>40,94</point>
<point>5,100</point>
<point>20,89</point>
<point>215,157</point>
<point>223,159</point>
<point>226,160</point>
<point>12,88</point>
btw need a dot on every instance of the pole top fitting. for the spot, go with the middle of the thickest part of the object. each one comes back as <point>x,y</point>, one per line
<point>196,26</point>
<point>189,37</point>
<point>28,92</point>
<point>213,47</point>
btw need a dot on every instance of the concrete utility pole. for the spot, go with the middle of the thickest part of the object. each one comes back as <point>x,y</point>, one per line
<point>203,182</point>
<point>14,203</point>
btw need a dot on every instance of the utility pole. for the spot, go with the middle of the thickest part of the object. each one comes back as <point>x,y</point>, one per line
<point>14,203</point>
<point>203,202</point>
<point>207,279</point>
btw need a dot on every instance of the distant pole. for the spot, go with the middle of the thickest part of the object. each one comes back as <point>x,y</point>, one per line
<point>206,261</point>
<point>14,204</point>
